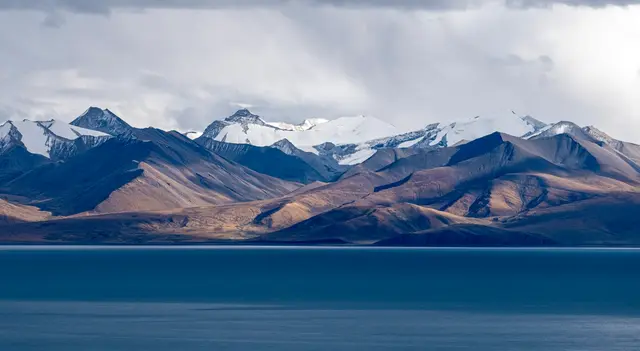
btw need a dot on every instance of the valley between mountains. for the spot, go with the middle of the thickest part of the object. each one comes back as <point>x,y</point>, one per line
<point>486,181</point>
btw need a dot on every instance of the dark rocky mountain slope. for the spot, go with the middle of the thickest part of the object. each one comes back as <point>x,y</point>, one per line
<point>156,170</point>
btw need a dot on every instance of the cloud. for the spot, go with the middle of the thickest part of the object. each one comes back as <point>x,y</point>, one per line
<point>183,68</point>
<point>241,105</point>
<point>106,6</point>
<point>54,20</point>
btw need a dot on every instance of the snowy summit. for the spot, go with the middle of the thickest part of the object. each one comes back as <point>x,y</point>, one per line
<point>243,127</point>
<point>44,137</point>
<point>103,120</point>
<point>351,140</point>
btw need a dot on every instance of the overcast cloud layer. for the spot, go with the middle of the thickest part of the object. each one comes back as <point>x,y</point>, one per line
<point>181,64</point>
<point>105,6</point>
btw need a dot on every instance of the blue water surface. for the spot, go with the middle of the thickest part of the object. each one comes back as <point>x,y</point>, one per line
<point>318,298</point>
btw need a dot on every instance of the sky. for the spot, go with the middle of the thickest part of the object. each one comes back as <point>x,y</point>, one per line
<point>180,64</point>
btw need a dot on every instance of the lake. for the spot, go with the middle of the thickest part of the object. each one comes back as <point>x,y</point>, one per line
<point>318,298</point>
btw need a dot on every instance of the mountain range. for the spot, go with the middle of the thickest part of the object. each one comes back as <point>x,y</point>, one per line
<point>503,181</point>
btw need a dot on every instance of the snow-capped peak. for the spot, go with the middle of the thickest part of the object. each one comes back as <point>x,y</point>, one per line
<point>245,116</point>
<point>243,127</point>
<point>562,127</point>
<point>40,137</point>
<point>480,126</point>
<point>435,135</point>
<point>285,146</point>
<point>534,123</point>
<point>599,135</point>
<point>103,120</point>
<point>356,138</point>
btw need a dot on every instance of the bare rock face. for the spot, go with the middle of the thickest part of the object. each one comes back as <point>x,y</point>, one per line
<point>157,170</point>
<point>52,139</point>
<point>105,121</point>
<point>264,160</point>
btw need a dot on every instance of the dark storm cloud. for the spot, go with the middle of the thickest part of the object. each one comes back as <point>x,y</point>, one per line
<point>106,6</point>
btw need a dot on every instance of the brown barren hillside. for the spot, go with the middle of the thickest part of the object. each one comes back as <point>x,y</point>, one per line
<point>498,190</point>
<point>158,170</point>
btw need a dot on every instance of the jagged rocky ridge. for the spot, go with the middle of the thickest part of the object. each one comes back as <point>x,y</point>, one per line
<point>52,139</point>
<point>290,165</point>
<point>103,120</point>
<point>324,137</point>
<point>128,169</point>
